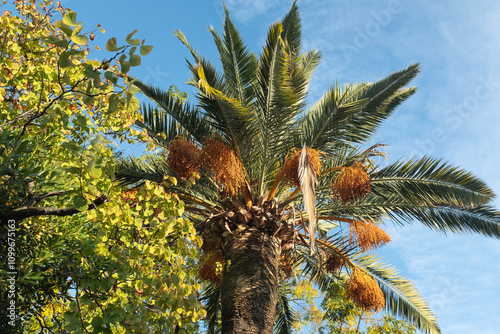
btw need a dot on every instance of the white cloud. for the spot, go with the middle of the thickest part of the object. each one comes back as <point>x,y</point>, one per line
<point>246,11</point>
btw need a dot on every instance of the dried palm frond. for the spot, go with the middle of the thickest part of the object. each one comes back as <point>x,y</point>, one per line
<point>352,183</point>
<point>307,178</point>
<point>184,159</point>
<point>291,166</point>
<point>221,159</point>
<point>367,235</point>
<point>364,291</point>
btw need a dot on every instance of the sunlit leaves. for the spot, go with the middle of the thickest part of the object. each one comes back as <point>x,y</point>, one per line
<point>112,45</point>
<point>55,40</point>
<point>131,41</point>
<point>58,109</point>
<point>70,19</point>
<point>80,39</point>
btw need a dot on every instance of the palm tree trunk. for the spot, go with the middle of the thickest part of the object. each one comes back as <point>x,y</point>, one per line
<point>249,290</point>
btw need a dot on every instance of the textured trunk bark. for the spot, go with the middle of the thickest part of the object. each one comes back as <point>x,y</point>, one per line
<point>249,290</point>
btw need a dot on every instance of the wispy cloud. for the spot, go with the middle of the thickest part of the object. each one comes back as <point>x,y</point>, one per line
<point>246,11</point>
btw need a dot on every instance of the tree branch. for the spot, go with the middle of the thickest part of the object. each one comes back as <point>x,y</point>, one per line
<point>33,199</point>
<point>50,194</point>
<point>27,212</point>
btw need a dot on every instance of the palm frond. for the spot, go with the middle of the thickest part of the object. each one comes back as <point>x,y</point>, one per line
<point>160,126</point>
<point>483,220</point>
<point>132,170</point>
<point>229,115</point>
<point>314,264</point>
<point>383,96</point>
<point>322,126</point>
<point>197,57</point>
<point>297,67</point>
<point>431,181</point>
<point>276,104</point>
<point>285,314</point>
<point>479,220</point>
<point>354,114</point>
<point>238,63</point>
<point>303,71</point>
<point>211,302</point>
<point>232,119</point>
<point>183,118</point>
<point>292,28</point>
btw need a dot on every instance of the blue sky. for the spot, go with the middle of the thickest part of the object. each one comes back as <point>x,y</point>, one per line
<point>454,115</point>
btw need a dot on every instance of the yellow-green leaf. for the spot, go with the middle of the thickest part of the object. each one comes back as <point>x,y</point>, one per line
<point>70,19</point>
<point>145,49</point>
<point>95,172</point>
<point>80,203</point>
<point>80,39</point>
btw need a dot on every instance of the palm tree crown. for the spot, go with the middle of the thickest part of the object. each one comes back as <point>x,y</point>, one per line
<point>252,156</point>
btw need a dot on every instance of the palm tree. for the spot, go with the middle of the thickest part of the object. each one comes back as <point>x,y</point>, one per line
<point>272,184</point>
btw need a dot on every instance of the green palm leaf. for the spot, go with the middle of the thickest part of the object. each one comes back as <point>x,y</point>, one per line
<point>292,28</point>
<point>132,170</point>
<point>238,62</point>
<point>285,314</point>
<point>354,113</point>
<point>276,104</point>
<point>173,116</point>
<point>211,302</point>
<point>232,119</point>
<point>480,220</point>
<point>430,181</point>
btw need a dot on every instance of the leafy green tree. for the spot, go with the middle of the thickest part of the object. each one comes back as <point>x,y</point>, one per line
<point>275,186</point>
<point>342,315</point>
<point>389,325</point>
<point>77,253</point>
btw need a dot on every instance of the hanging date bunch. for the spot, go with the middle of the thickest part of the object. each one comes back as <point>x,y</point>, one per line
<point>226,167</point>
<point>367,235</point>
<point>291,166</point>
<point>333,263</point>
<point>286,266</point>
<point>184,159</point>
<point>365,292</point>
<point>351,184</point>
<point>212,268</point>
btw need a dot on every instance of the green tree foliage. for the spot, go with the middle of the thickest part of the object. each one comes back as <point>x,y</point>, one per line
<point>342,315</point>
<point>88,256</point>
<point>390,325</point>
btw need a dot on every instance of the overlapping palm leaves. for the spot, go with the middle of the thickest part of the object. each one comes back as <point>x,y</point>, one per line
<point>256,106</point>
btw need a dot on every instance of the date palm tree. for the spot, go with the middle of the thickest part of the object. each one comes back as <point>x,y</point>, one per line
<point>273,184</point>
